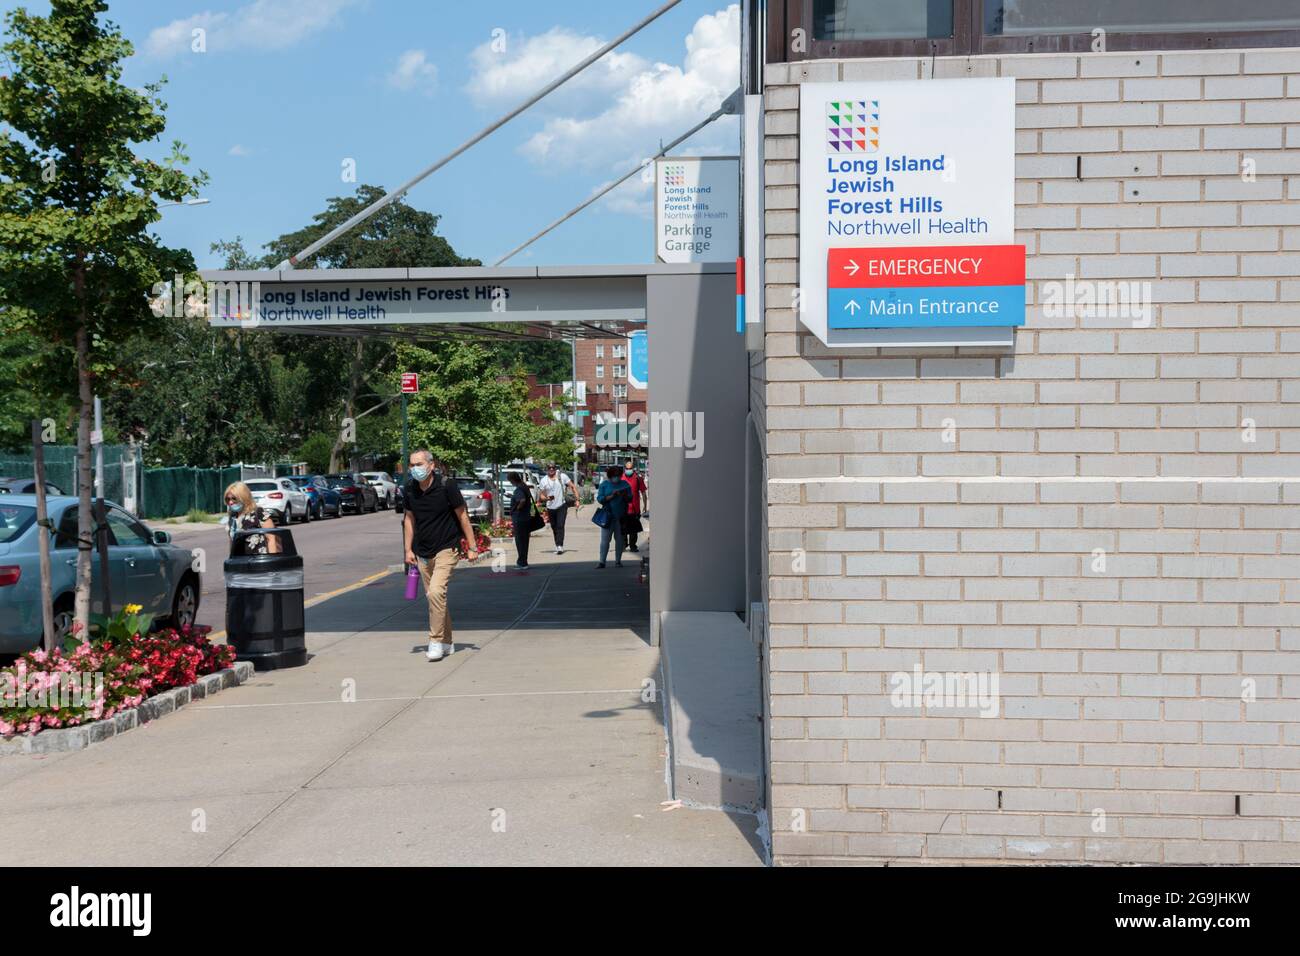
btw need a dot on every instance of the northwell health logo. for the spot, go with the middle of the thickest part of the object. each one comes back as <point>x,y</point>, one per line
<point>852,126</point>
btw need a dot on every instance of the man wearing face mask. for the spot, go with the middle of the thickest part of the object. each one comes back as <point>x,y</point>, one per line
<point>435,521</point>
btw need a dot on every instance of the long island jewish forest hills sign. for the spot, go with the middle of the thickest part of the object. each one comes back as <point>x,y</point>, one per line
<point>907,213</point>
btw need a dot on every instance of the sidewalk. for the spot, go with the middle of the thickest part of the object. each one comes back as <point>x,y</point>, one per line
<point>530,745</point>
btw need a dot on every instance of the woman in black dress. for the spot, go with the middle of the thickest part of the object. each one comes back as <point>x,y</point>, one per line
<point>521,507</point>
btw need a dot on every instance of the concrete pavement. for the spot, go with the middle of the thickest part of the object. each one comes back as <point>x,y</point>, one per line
<point>532,744</point>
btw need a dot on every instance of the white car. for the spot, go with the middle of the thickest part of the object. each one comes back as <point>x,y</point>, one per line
<point>385,487</point>
<point>281,499</point>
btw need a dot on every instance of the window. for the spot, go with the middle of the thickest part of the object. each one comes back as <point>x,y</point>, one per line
<point>619,372</point>
<point>600,351</point>
<point>881,19</point>
<point>824,29</point>
<point>126,531</point>
<point>619,351</point>
<point>1034,17</point>
<point>600,371</point>
<point>620,391</point>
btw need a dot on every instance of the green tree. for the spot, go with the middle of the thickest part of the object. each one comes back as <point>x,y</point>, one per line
<point>464,410</point>
<point>76,258</point>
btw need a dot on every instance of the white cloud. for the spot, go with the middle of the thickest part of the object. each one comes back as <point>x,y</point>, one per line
<point>239,150</point>
<point>511,68</point>
<point>259,25</point>
<point>657,103</point>
<point>414,72</point>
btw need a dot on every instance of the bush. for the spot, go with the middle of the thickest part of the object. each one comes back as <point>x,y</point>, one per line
<point>119,667</point>
<point>197,515</point>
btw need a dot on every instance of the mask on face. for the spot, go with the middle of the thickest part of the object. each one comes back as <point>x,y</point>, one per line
<point>419,472</point>
<point>235,507</point>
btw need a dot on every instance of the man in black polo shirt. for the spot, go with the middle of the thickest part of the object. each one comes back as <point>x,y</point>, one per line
<point>436,522</point>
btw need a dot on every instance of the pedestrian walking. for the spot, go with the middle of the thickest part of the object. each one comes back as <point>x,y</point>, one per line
<point>242,514</point>
<point>632,520</point>
<point>613,495</point>
<point>434,523</point>
<point>559,494</point>
<point>521,515</point>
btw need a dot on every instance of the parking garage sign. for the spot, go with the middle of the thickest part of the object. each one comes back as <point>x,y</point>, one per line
<point>907,212</point>
<point>697,209</point>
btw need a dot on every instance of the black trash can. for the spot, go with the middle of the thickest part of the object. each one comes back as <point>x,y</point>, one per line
<point>264,603</point>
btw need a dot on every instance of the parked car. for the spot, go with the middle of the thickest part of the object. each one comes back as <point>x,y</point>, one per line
<point>25,486</point>
<point>479,495</point>
<point>358,497</point>
<point>281,499</point>
<point>144,568</point>
<point>384,486</point>
<point>323,499</point>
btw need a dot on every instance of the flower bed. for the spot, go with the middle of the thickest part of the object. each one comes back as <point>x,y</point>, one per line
<point>120,666</point>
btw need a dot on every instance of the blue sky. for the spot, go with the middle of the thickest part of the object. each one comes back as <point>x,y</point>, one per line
<point>288,90</point>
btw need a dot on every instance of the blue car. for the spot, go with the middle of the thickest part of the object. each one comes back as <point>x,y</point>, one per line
<point>323,500</point>
<point>144,568</point>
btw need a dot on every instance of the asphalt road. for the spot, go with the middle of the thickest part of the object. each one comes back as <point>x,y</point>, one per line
<point>336,552</point>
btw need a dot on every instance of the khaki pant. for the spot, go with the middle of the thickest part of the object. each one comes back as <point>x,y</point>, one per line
<point>435,573</point>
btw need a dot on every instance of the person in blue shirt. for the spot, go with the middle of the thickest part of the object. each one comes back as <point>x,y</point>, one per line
<point>614,495</point>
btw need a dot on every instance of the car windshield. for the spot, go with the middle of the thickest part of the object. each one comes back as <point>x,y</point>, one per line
<point>338,481</point>
<point>262,486</point>
<point>302,481</point>
<point>470,484</point>
<point>14,520</point>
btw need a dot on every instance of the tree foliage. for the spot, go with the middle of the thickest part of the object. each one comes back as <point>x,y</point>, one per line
<point>77,260</point>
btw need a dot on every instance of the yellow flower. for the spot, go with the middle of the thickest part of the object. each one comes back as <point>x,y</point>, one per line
<point>134,608</point>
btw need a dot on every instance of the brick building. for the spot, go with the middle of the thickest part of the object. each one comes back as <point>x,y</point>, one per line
<point>1112,528</point>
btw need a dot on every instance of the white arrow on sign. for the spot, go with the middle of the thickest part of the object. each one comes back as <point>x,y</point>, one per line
<point>852,306</point>
<point>852,268</point>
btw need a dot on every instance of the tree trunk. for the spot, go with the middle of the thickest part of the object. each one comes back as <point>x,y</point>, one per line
<point>349,409</point>
<point>81,608</point>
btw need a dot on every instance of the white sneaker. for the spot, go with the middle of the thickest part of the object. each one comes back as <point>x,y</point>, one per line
<point>559,551</point>
<point>435,651</point>
<point>448,649</point>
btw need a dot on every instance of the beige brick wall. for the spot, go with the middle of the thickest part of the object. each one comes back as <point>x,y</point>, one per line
<point>950,509</point>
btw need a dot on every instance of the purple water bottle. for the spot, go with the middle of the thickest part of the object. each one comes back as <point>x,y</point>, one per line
<point>412,583</point>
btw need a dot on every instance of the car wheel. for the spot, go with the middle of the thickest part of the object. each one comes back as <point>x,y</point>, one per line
<point>286,516</point>
<point>185,603</point>
<point>306,517</point>
<point>63,617</point>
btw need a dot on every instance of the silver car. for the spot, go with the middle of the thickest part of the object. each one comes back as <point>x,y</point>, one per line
<point>144,568</point>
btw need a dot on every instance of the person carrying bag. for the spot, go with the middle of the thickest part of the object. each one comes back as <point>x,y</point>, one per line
<point>525,518</point>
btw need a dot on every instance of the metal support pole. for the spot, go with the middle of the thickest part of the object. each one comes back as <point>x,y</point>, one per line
<point>403,431</point>
<point>577,424</point>
<point>401,190</point>
<point>732,104</point>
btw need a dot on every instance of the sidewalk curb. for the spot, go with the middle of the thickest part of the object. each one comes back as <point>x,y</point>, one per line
<point>67,739</point>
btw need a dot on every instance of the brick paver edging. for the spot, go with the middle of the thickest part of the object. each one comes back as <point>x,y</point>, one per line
<point>64,739</point>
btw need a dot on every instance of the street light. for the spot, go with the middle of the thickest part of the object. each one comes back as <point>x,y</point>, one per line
<point>187,202</point>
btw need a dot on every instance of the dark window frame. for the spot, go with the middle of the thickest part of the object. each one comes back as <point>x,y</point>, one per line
<point>969,38</point>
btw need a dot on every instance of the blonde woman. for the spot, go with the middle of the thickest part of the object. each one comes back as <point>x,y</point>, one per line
<point>242,514</point>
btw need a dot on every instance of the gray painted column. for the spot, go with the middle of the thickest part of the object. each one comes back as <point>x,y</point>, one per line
<point>698,368</point>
